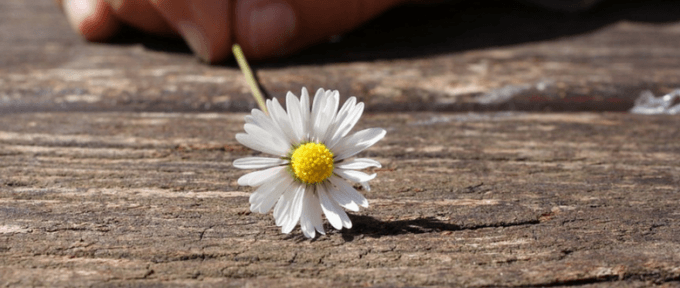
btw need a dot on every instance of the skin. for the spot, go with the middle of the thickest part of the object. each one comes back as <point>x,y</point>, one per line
<point>264,28</point>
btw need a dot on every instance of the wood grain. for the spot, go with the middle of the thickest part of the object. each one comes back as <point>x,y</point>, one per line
<point>494,199</point>
<point>115,159</point>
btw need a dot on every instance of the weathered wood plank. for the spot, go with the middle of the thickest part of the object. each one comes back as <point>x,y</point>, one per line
<point>115,195</point>
<point>495,199</point>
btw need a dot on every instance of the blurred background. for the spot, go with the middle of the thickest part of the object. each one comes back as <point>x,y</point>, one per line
<point>442,56</point>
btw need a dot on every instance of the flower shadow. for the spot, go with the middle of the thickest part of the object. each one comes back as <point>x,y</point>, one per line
<point>374,228</point>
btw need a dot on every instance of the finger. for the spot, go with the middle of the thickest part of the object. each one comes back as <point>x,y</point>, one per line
<point>141,15</point>
<point>93,19</point>
<point>204,25</point>
<point>267,28</point>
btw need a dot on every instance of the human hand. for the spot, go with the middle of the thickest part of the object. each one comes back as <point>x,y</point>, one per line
<point>263,28</point>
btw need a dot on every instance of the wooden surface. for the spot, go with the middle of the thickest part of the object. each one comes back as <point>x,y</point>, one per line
<point>494,199</point>
<point>115,159</point>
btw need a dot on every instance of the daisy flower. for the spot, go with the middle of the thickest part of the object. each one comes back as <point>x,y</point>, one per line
<point>309,171</point>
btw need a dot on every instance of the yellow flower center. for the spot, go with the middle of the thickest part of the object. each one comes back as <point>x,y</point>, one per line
<point>312,163</point>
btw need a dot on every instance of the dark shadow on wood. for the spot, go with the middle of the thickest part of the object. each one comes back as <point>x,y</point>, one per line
<point>371,227</point>
<point>417,31</point>
<point>129,36</point>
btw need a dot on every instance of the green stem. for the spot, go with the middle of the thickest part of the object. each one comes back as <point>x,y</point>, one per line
<point>243,64</point>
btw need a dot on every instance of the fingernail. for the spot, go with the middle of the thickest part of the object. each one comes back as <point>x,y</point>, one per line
<point>93,19</point>
<point>271,27</point>
<point>195,39</point>
<point>77,11</point>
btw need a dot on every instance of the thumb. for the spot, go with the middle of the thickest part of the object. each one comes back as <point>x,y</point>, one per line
<point>266,28</point>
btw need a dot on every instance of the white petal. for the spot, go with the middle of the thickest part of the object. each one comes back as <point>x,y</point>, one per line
<point>326,116</point>
<point>317,103</point>
<point>345,193</point>
<point>342,199</point>
<point>258,131</point>
<point>339,118</point>
<point>306,224</point>
<point>338,191</point>
<point>347,107</point>
<point>317,112</point>
<point>265,196</point>
<point>258,178</point>
<point>314,208</point>
<point>354,176</point>
<point>257,162</point>
<point>250,119</point>
<point>358,164</point>
<point>334,213</point>
<point>365,186</point>
<point>347,117</point>
<point>280,117</point>
<point>265,122</point>
<point>304,108</point>
<point>347,124</point>
<point>296,210</point>
<point>278,182</point>
<point>319,97</point>
<point>329,95</point>
<point>283,207</point>
<point>267,201</point>
<point>310,220</point>
<point>357,142</point>
<point>295,116</point>
<point>261,144</point>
